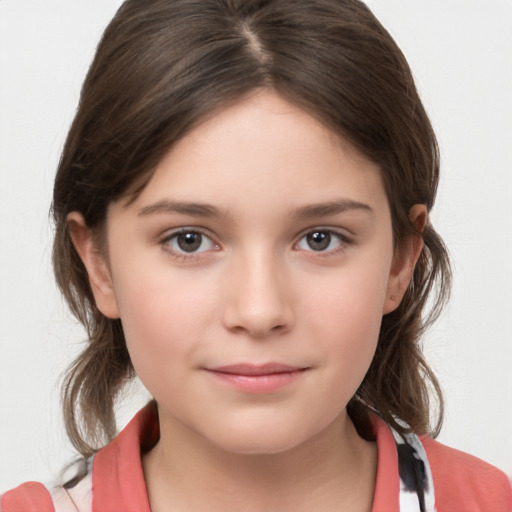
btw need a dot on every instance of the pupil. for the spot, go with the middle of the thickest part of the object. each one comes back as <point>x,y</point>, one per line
<point>319,240</point>
<point>189,242</point>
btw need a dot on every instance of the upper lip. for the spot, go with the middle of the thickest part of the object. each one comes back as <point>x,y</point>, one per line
<point>256,369</point>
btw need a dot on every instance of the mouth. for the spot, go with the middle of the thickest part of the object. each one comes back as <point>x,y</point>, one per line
<point>250,378</point>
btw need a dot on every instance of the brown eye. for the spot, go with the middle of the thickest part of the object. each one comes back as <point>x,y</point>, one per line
<point>321,240</point>
<point>189,242</point>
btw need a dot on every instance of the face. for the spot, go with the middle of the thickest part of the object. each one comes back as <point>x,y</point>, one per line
<point>251,276</point>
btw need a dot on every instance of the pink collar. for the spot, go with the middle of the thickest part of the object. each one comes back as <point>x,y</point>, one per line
<point>118,478</point>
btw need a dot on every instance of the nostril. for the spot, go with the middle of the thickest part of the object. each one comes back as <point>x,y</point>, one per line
<point>258,329</point>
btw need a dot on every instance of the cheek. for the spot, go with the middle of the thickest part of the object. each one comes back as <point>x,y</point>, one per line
<point>163,317</point>
<point>352,297</point>
<point>347,312</point>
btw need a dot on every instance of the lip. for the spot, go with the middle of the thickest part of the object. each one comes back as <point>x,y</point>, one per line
<point>251,378</point>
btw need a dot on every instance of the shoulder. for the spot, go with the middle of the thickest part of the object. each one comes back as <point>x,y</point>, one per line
<point>35,497</point>
<point>28,497</point>
<point>465,483</point>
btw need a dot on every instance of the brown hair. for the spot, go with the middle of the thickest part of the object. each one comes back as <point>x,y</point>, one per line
<point>161,68</point>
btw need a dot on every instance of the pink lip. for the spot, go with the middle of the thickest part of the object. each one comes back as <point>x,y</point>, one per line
<point>250,378</point>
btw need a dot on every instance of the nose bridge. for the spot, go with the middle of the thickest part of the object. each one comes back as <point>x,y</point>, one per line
<point>259,301</point>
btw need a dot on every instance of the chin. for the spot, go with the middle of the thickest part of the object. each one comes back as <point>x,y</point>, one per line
<point>258,444</point>
<point>263,438</point>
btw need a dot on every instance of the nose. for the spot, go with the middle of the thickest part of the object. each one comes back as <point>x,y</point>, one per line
<point>258,302</point>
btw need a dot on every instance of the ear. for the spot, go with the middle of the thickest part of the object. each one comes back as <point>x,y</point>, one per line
<point>405,260</point>
<point>95,264</point>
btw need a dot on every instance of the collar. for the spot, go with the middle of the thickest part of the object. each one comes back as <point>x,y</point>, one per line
<point>117,475</point>
<point>118,478</point>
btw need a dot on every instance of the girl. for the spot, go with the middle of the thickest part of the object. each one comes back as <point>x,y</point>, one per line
<point>241,214</point>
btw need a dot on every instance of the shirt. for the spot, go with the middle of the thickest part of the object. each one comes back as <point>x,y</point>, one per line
<point>461,482</point>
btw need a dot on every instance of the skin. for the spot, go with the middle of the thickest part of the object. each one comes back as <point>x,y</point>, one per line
<point>257,289</point>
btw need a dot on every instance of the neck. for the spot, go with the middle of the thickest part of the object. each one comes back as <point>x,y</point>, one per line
<point>335,470</point>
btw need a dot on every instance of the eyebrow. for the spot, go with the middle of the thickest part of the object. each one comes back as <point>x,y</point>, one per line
<point>186,208</point>
<point>331,208</point>
<point>207,210</point>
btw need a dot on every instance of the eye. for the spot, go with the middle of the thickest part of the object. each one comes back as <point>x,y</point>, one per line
<point>321,240</point>
<point>189,242</point>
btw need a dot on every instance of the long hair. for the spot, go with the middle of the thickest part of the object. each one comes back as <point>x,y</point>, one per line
<point>163,67</point>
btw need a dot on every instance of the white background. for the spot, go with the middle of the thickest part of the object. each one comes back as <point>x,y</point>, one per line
<point>461,54</point>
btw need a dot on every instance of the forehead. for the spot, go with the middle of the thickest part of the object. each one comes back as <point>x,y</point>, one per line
<point>264,149</point>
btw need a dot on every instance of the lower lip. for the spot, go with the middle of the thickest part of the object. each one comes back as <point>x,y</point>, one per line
<point>267,383</point>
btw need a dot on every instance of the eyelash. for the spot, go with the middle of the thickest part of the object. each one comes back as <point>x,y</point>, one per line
<point>184,256</point>
<point>343,239</point>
